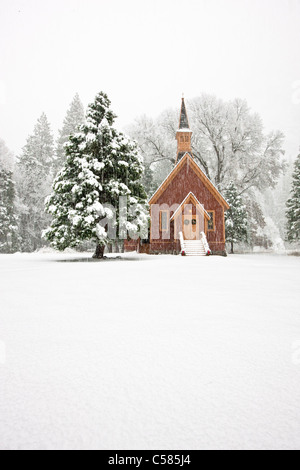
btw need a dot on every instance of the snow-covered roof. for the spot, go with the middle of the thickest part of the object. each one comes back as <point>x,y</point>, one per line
<point>184,201</point>
<point>175,169</point>
<point>186,129</point>
<point>215,187</point>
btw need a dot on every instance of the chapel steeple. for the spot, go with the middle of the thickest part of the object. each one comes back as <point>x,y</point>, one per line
<point>184,134</point>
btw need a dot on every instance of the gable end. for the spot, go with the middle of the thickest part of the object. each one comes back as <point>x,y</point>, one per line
<point>205,180</point>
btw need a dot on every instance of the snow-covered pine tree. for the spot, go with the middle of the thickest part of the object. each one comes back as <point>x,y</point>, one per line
<point>8,219</point>
<point>34,177</point>
<point>74,119</point>
<point>235,217</point>
<point>148,180</point>
<point>102,165</point>
<point>256,224</point>
<point>7,159</point>
<point>293,206</point>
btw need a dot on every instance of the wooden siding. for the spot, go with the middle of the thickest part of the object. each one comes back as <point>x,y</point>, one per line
<point>175,191</point>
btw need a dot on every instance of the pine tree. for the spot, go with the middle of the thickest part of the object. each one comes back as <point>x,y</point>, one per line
<point>102,165</point>
<point>34,177</point>
<point>256,225</point>
<point>8,219</point>
<point>73,120</point>
<point>7,159</point>
<point>235,217</point>
<point>148,180</point>
<point>293,206</point>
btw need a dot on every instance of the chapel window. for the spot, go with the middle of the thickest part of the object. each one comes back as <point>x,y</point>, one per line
<point>211,226</point>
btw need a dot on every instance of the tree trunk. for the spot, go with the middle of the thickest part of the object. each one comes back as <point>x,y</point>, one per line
<point>99,252</point>
<point>232,252</point>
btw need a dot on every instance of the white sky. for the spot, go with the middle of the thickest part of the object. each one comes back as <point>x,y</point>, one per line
<point>144,54</point>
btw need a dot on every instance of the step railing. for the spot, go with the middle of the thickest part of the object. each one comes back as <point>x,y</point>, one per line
<point>202,238</point>
<point>205,244</point>
<point>182,245</point>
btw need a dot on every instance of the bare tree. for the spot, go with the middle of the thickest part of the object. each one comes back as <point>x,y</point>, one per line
<point>228,143</point>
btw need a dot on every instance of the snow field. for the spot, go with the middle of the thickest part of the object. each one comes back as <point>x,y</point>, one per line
<point>159,352</point>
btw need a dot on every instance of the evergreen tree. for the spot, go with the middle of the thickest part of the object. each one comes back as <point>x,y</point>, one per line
<point>7,160</point>
<point>148,180</point>
<point>102,165</point>
<point>257,225</point>
<point>73,120</point>
<point>293,206</point>
<point>34,177</point>
<point>235,217</point>
<point>8,219</point>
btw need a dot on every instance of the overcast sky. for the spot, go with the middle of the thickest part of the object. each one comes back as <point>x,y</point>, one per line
<point>145,54</point>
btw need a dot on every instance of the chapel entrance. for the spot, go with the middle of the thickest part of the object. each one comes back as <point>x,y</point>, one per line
<point>191,227</point>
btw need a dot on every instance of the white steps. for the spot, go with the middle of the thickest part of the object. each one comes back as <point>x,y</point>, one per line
<point>194,248</point>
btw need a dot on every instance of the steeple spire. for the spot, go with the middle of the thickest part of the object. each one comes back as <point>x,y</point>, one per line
<point>184,134</point>
<point>183,122</point>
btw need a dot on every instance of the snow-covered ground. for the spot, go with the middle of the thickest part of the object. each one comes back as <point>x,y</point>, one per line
<point>154,352</point>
